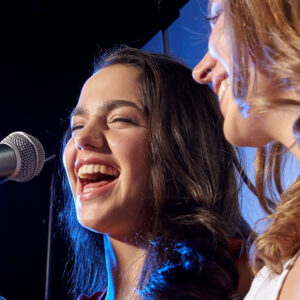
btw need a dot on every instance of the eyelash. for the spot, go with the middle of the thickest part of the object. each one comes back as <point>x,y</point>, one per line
<point>213,19</point>
<point>122,120</point>
<point>75,127</point>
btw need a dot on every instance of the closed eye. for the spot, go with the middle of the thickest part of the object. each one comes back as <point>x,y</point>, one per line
<point>122,120</point>
<point>76,127</point>
<point>213,18</point>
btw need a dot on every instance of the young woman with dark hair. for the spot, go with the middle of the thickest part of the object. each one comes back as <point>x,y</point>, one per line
<point>151,208</point>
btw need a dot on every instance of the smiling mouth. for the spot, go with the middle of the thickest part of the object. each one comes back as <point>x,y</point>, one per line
<point>225,83</point>
<point>94,176</point>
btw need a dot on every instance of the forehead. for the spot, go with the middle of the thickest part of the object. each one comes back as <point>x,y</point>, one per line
<point>212,5</point>
<point>209,5</point>
<point>112,82</point>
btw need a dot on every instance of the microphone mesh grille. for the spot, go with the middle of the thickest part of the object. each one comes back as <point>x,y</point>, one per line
<point>31,152</point>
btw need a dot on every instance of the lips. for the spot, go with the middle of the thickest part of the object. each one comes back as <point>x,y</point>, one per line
<point>95,179</point>
<point>225,83</point>
<point>88,170</point>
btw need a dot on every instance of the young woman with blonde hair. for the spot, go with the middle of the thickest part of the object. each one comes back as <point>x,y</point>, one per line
<point>254,65</point>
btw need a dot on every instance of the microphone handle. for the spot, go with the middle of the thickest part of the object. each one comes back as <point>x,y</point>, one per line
<point>8,161</point>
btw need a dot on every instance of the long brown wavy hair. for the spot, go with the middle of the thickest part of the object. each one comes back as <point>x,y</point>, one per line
<point>266,35</point>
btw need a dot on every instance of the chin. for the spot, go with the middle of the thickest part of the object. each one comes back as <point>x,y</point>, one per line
<point>91,228</point>
<point>236,139</point>
<point>94,226</point>
<point>88,221</point>
<point>240,141</point>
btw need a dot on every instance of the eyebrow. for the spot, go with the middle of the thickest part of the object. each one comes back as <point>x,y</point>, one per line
<point>107,106</point>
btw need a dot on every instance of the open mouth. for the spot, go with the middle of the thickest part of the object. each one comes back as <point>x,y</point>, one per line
<point>93,176</point>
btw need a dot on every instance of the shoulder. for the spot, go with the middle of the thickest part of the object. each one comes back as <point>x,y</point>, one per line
<point>291,285</point>
<point>266,285</point>
<point>283,286</point>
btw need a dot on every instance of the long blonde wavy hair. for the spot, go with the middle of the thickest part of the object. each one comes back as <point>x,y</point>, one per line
<point>266,34</point>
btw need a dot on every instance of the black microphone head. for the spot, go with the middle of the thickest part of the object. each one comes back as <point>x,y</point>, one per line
<point>30,155</point>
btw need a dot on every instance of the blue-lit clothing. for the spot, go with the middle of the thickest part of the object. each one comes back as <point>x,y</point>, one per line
<point>97,296</point>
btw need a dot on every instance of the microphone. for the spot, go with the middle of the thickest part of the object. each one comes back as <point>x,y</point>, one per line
<point>22,157</point>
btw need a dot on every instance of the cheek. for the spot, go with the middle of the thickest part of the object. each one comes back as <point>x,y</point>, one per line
<point>139,153</point>
<point>218,46</point>
<point>69,159</point>
<point>132,154</point>
<point>130,147</point>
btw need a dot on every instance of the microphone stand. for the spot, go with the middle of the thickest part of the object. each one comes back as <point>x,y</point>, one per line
<point>50,237</point>
<point>50,231</point>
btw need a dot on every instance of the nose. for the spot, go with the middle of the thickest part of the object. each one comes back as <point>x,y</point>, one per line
<point>202,72</point>
<point>91,138</point>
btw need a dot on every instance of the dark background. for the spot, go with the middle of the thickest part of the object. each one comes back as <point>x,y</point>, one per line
<point>47,49</point>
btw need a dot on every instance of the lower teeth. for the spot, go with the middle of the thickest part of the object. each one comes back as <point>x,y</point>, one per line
<point>86,190</point>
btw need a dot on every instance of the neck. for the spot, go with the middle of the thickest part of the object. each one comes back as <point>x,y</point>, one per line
<point>124,263</point>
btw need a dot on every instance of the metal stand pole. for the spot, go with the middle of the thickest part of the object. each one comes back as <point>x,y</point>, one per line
<point>50,238</point>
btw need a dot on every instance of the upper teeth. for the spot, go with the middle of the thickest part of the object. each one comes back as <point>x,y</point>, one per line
<point>95,168</point>
<point>225,83</point>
